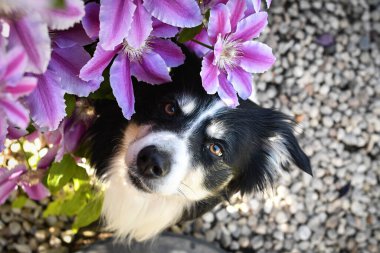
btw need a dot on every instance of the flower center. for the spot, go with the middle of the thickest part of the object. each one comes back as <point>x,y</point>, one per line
<point>227,53</point>
<point>134,54</point>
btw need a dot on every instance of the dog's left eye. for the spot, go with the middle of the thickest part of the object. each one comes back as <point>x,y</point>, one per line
<point>170,108</point>
<point>215,149</point>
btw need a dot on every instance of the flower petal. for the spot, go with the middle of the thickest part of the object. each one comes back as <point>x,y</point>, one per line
<point>115,22</point>
<point>209,74</point>
<point>73,134</point>
<point>46,103</point>
<point>226,92</point>
<point>256,5</point>
<point>90,20</point>
<point>241,81</point>
<point>47,159</point>
<point>32,34</point>
<point>23,87</point>
<point>180,13</point>
<point>64,18</point>
<point>94,68</point>
<point>13,174</point>
<point>237,9</point>
<point>269,3</point>
<point>163,30</point>
<point>6,189</point>
<point>75,36</point>
<point>250,27</point>
<point>15,112</point>
<point>15,133</point>
<point>15,62</point>
<point>169,51</point>
<point>121,83</point>
<point>3,130</point>
<point>257,57</point>
<point>151,69</point>
<point>35,192</point>
<point>141,26</point>
<point>219,22</point>
<point>68,62</point>
<point>199,50</point>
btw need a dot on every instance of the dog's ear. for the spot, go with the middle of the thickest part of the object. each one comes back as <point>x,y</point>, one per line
<point>272,147</point>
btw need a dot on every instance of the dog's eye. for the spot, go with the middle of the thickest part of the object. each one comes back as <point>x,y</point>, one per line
<point>215,149</point>
<point>170,109</point>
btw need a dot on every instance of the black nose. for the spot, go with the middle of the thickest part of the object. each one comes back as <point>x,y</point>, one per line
<point>153,163</point>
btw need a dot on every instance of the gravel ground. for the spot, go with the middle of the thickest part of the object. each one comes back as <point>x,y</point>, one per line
<point>328,76</point>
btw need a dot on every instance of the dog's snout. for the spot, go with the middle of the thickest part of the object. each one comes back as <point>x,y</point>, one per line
<point>153,163</point>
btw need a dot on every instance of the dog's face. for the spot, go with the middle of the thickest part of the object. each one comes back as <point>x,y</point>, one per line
<point>183,152</point>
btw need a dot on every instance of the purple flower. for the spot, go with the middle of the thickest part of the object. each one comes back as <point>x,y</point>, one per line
<point>135,17</point>
<point>13,85</point>
<point>30,182</point>
<point>67,137</point>
<point>141,53</point>
<point>227,69</point>
<point>46,102</point>
<point>28,26</point>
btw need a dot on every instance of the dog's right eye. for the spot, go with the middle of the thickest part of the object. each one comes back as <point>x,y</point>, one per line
<point>170,108</point>
<point>215,149</point>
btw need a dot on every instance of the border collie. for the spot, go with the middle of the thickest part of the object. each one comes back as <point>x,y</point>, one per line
<point>183,152</point>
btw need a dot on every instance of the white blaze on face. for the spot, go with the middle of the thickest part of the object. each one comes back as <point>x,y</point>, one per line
<point>174,145</point>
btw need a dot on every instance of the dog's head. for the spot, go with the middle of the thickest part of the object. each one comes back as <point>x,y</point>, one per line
<point>183,152</point>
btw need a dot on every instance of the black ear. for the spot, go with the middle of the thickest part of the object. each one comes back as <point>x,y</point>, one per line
<point>272,147</point>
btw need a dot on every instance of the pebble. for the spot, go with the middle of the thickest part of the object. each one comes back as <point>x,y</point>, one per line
<point>257,242</point>
<point>14,228</point>
<point>304,233</point>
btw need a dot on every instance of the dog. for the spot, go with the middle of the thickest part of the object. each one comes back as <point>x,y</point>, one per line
<point>183,152</point>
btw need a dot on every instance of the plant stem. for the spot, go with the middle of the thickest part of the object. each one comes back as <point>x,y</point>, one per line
<point>24,153</point>
<point>202,44</point>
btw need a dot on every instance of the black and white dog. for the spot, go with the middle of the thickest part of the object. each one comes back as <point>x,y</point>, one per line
<point>183,152</point>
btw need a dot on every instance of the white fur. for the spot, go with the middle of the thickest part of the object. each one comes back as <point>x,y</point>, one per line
<point>278,153</point>
<point>172,144</point>
<point>216,130</point>
<point>187,104</point>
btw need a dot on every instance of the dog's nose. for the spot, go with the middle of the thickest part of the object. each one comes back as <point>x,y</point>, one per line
<point>153,163</point>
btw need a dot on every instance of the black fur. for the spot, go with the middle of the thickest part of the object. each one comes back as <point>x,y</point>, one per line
<point>246,144</point>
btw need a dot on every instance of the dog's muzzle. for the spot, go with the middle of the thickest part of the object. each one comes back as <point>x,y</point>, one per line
<point>153,163</point>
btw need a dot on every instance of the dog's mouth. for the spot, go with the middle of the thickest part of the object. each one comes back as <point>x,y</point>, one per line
<point>138,183</point>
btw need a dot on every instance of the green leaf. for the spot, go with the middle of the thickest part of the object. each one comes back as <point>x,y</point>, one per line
<point>75,204</point>
<point>19,202</point>
<point>90,213</point>
<point>189,33</point>
<point>59,4</point>
<point>61,173</point>
<point>70,102</point>
<point>54,208</point>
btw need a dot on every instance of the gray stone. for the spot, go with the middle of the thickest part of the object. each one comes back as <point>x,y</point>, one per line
<point>304,232</point>
<point>14,228</point>
<point>257,242</point>
<point>22,248</point>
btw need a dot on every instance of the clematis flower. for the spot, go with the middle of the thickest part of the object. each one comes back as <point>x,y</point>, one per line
<point>28,180</point>
<point>142,54</point>
<point>227,69</point>
<point>136,15</point>
<point>13,85</point>
<point>46,102</point>
<point>28,26</point>
<point>66,138</point>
